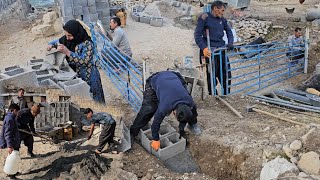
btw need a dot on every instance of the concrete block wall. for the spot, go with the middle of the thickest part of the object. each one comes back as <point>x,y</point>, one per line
<point>87,10</point>
<point>52,114</point>
<point>170,144</point>
<point>136,16</point>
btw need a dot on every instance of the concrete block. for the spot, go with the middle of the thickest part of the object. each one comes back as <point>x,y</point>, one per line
<point>170,147</point>
<point>55,58</point>
<point>44,74</point>
<point>145,19</point>
<point>85,10</point>
<point>77,11</point>
<point>35,61</point>
<point>102,6</point>
<point>135,17</point>
<point>65,19</point>
<point>93,17</point>
<point>76,87</point>
<point>67,3</point>
<point>48,83</point>
<point>11,68</point>
<point>106,12</point>
<point>105,20</point>
<point>80,2</point>
<point>19,78</point>
<point>67,11</point>
<point>158,22</point>
<point>92,9</point>
<point>64,76</point>
<point>91,2</point>
<point>125,142</point>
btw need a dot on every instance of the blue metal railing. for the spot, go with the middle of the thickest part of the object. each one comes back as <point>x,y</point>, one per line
<point>255,67</point>
<point>125,73</point>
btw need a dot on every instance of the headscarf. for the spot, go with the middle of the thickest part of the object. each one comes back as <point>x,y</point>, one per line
<point>77,31</point>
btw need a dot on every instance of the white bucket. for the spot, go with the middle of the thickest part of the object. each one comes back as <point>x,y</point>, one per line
<point>11,165</point>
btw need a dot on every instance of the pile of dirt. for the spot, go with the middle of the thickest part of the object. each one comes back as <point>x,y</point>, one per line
<point>73,165</point>
<point>167,10</point>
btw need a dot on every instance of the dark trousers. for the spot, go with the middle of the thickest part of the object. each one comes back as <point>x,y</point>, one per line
<point>106,135</point>
<point>148,108</point>
<point>28,141</point>
<point>225,75</point>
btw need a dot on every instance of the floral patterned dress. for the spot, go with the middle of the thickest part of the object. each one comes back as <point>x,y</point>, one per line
<point>83,60</point>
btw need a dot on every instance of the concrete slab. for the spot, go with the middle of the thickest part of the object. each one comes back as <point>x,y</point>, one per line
<point>125,142</point>
<point>48,83</point>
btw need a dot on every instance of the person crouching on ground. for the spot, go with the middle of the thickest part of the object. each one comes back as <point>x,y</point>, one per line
<point>108,129</point>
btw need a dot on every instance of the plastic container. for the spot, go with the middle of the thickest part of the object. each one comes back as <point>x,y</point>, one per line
<point>11,165</point>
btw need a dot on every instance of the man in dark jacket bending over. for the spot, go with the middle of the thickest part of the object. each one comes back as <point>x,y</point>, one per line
<point>165,92</point>
<point>25,119</point>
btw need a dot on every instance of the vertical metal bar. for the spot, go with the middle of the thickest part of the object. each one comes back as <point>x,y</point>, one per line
<point>221,73</point>
<point>227,72</point>
<point>306,51</point>
<point>259,62</point>
<point>211,64</point>
<point>144,79</point>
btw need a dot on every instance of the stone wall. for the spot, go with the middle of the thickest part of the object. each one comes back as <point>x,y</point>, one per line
<point>88,11</point>
<point>5,3</point>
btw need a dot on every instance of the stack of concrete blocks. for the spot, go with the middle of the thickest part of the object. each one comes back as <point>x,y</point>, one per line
<point>135,13</point>
<point>17,77</point>
<point>136,16</point>
<point>76,87</point>
<point>52,114</point>
<point>87,10</point>
<point>170,143</point>
<point>75,114</point>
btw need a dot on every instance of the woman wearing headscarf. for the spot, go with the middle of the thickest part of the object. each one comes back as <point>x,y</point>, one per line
<point>76,44</point>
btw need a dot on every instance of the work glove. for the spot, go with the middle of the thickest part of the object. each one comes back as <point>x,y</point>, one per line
<point>206,52</point>
<point>230,47</point>
<point>155,145</point>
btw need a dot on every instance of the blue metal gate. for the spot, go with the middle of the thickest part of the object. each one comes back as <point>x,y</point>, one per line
<point>254,67</point>
<point>124,72</point>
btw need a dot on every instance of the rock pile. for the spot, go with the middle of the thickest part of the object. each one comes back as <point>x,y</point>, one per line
<point>250,28</point>
<point>307,162</point>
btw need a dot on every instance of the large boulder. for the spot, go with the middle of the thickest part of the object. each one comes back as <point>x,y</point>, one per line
<point>276,168</point>
<point>43,30</point>
<point>50,17</point>
<point>313,14</point>
<point>310,163</point>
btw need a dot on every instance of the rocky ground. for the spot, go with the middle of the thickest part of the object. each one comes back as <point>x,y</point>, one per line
<point>229,148</point>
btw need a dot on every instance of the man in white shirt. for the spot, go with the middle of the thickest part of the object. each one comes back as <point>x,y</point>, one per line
<point>296,45</point>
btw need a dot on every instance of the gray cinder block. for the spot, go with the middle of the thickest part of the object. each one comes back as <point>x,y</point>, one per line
<point>135,17</point>
<point>85,10</point>
<point>20,78</point>
<point>48,83</point>
<point>105,20</point>
<point>158,22</point>
<point>35,61</point>
<point>67,11</point>
<point>92,9</point>
<point>145,19</point>
<point>80,2</point>
<point>105,12</point>
<point>102,6</point>
<point>11,68</point>
<point>76,87</point>
<point>44,74</point>
<point>91,2</point>
<point>170,146</point>
<point>65,19</point>
<point>64,76</point>
<point>77,11</point>
<point>93,17</point>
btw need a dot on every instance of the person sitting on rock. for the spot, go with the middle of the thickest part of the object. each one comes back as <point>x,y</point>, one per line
<point>108,129</point>
<point>165,92</point>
